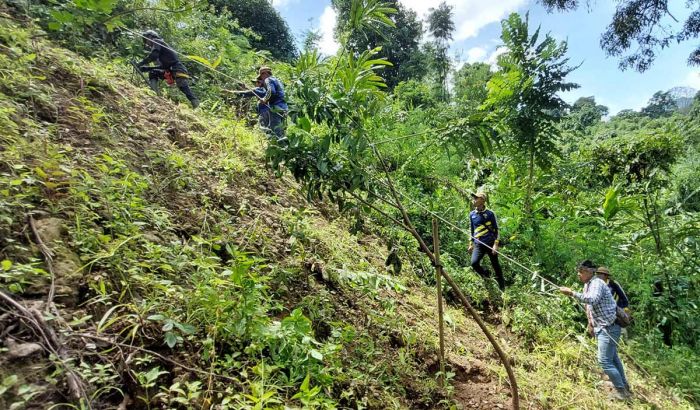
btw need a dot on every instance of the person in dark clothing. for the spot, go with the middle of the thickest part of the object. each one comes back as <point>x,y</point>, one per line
<point>615,288</point>
<point>168,66</point>
<point>274,98</point>
<point>659,307</point>
<point>484,238</point>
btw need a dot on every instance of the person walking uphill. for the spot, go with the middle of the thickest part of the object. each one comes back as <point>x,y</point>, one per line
<point>600,309</point>
<point>262,109</point>
<point>168,66</point>
<point>274,98</point>
<point>484,238</point>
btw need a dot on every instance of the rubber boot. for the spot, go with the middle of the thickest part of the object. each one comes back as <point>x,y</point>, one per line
<point>153,82</point>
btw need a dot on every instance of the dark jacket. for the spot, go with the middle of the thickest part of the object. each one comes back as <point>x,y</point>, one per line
<point>164,57</point>
<point>618,294</point>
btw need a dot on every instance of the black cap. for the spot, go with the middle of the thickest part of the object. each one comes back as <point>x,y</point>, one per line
<point>587,264</point>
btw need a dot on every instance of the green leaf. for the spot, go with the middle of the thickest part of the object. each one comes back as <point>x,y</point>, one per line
<point>217,61</point>
<point>6,265</point>
<point>316,354</point>
<point>201,60</point>
<point>305,384</point>
<point>170,339</point>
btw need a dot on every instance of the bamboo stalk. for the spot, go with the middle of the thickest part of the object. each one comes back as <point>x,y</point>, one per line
<point>505,360</point>
<point>438,280</point>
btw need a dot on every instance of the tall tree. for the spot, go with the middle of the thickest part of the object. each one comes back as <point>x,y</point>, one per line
<point>584,114</point>
<point>441,26</point>
<point>400,45</point>
<point>661,104</point>
<point>470,84</point>
<point>522,95</point>
<point>644,23</point>
<point>262,18</point>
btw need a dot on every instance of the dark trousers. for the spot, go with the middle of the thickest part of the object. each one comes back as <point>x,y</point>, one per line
<point>478,254</point>
<point>182,83</point>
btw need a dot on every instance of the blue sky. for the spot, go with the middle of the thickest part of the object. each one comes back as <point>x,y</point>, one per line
<point>477,39</point>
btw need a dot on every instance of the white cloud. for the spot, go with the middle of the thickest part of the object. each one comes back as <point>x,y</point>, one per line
<point>280,4</point>
<point>492,59</point>
<point>476,54</point>
<point>328,45</point>
<point>482,55</point>
<point>693,79</point>
<point>469,16</point>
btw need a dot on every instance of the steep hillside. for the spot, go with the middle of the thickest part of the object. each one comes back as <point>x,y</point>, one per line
<point>150,258</point>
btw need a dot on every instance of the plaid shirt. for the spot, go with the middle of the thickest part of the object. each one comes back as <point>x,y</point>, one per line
<point>600,305</point>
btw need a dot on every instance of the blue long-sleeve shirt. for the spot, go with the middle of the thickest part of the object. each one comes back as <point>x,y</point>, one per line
<point>483,226</point>
<point>274,94</point>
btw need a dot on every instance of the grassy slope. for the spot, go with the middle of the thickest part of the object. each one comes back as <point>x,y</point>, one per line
<point>157,213</point>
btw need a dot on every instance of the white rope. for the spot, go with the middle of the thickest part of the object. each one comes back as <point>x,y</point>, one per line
<point>458,229</point>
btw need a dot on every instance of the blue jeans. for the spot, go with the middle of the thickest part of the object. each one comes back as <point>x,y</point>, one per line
<point>276,122</point>
<point>609,361</point>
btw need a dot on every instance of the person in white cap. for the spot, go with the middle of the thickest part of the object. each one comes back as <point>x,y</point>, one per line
<point>484,238</point>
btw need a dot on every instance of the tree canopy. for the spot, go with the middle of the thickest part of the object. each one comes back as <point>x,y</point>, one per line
<point>272,31</point>
<point>640,29</point>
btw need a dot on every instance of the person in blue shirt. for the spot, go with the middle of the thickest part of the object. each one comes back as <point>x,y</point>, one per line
<point>261,108</point>
<point>274,98</point>
<point>484,238</point>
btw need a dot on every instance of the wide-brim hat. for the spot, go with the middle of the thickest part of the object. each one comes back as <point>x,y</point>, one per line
<point>603,270</point>
<point>479,195</point>
<point>264,69</point>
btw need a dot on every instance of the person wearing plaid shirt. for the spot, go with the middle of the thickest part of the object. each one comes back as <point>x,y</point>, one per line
<point>600,309</point>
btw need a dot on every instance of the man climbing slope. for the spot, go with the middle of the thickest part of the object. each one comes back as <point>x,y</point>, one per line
<point>601,311</point>
<point>484,238</point>
<point>262,109</point>
<point>168,66</point>
<point>274,98</point>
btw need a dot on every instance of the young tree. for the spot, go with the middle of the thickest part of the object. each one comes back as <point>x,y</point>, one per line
<point>644,22</point>
<point>310,41</point>
<point>522,95</point>
<point>400,44</point>
<point>441,26</point>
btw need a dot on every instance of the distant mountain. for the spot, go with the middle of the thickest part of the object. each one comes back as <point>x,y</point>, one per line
<point>683,96</point>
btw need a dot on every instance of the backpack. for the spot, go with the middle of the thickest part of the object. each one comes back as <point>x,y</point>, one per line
<point>622,317</point>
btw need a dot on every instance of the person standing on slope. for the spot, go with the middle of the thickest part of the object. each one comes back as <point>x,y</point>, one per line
<point>274,98</point>
<point>168,66</point>
<point>484,238</point>
<point>601,312</point>
<point>262,109</point>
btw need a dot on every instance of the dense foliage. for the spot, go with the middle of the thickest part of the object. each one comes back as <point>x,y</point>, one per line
<point>187,245</point>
